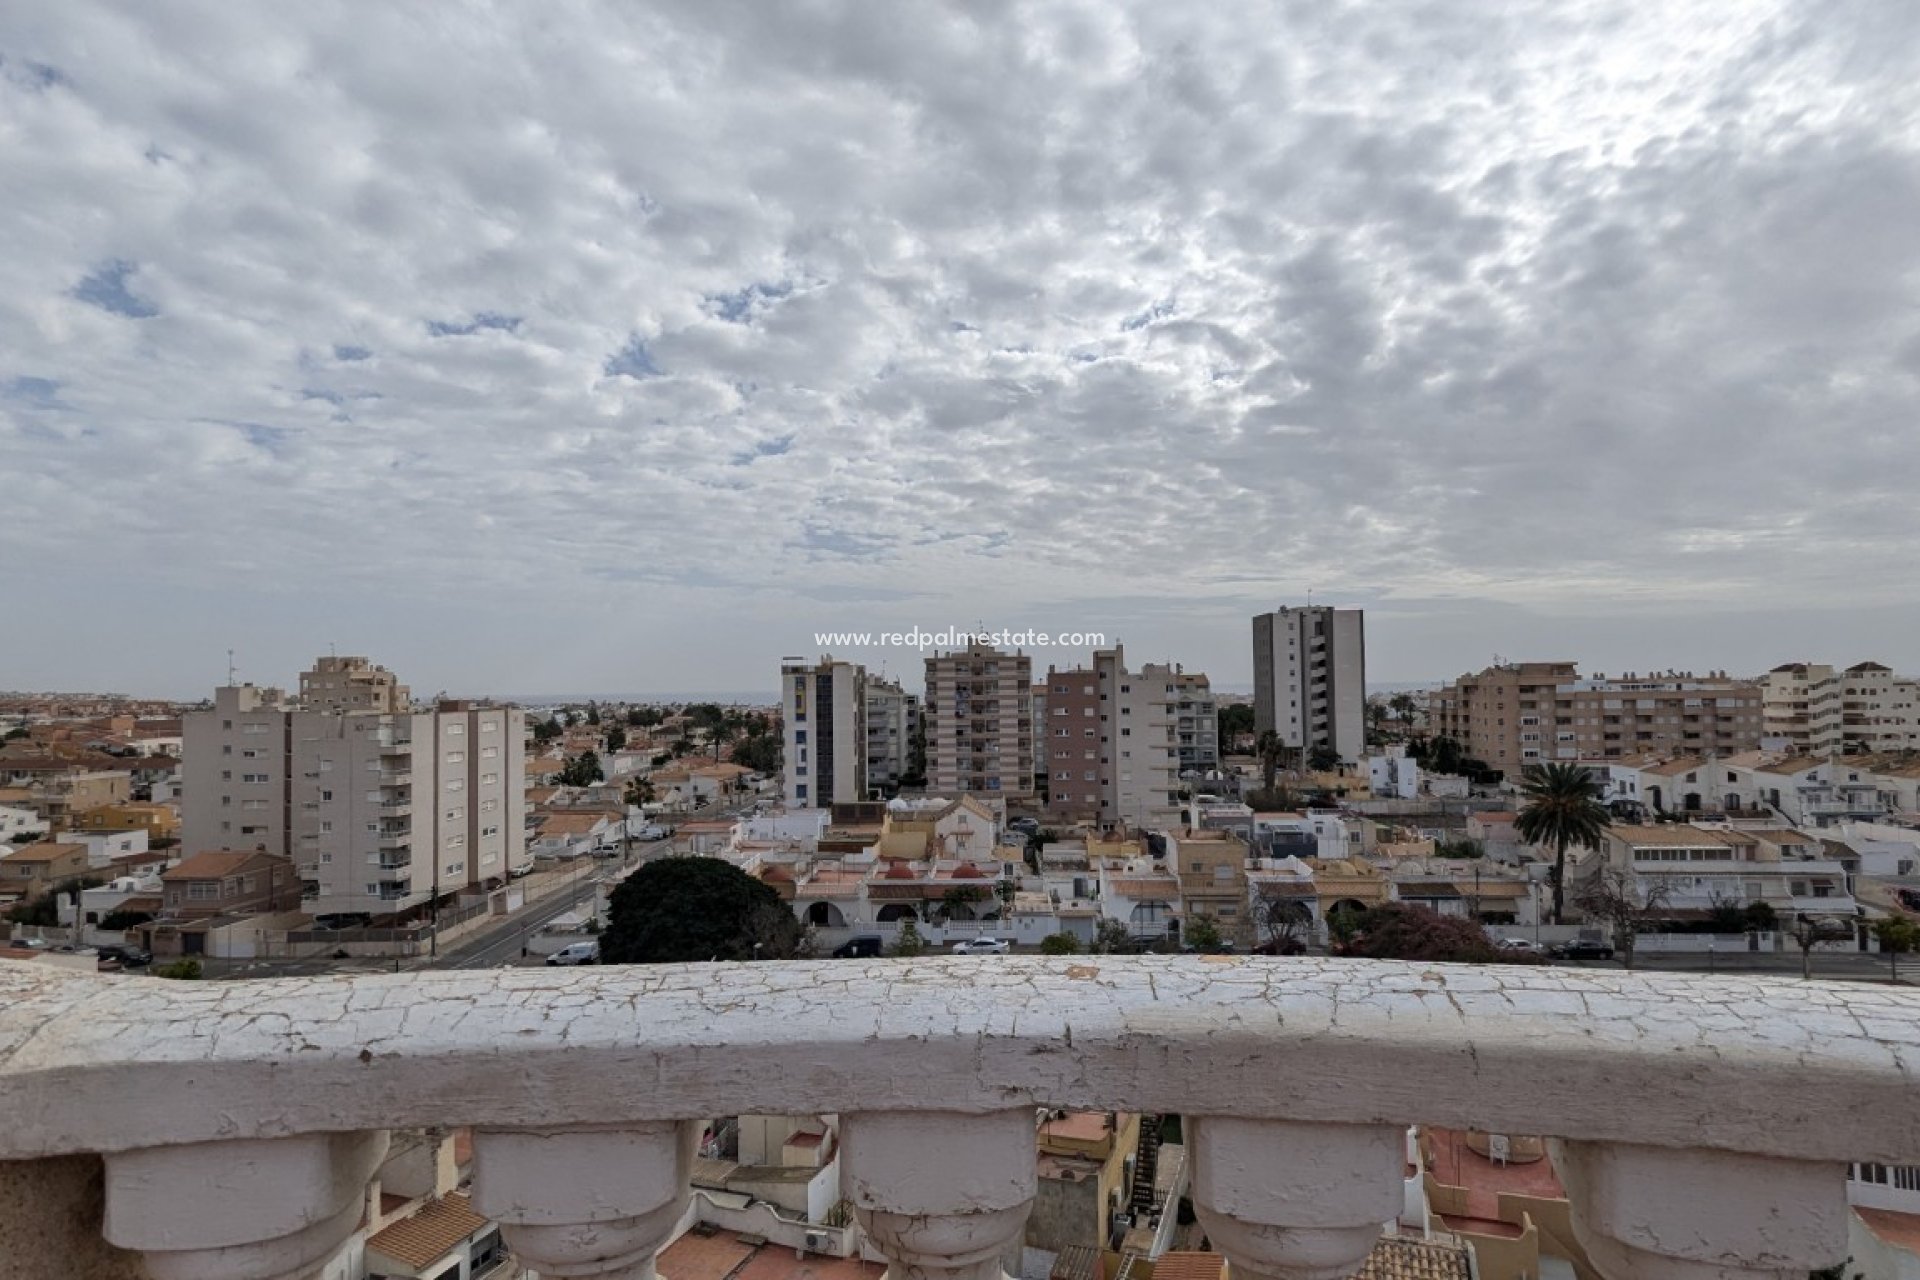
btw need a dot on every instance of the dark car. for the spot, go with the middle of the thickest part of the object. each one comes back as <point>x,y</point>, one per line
<point>865,945</point>
<point>125,957</point>
<point>1583,949</point>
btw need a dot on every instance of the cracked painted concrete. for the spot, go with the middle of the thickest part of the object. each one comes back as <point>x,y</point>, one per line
<point>1759,1065</point>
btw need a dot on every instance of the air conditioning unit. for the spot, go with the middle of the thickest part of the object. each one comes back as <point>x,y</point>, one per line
<point>816,1240</point>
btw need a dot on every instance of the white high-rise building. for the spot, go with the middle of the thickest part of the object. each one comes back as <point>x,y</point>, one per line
<point>824,709</point>
<point>380,807</point>
<point>1140,753</point>
<point>1813,707</point>
<point>1310,678</point>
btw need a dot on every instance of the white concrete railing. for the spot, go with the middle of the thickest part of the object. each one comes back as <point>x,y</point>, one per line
<point>1703,1127</point>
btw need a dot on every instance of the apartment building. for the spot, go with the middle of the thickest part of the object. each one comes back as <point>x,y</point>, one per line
<point>1069,732</point>
<point>1515,714</point>
<point>1816,708</point>
<point>1197,722</point>
<point>1310,678</point>
<point>380,808</point>
<point>824,711</point>
<point>978,714</point>
<point>1138,744</point>
<point>893,718</point>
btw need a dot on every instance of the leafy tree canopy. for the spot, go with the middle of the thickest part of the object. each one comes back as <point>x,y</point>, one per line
<point>685,910</point>
<point>1400,931</point>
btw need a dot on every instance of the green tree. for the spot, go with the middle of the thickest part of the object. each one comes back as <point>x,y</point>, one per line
<point>593,713</point>
<point>1322,759</point>
<point>1403,706</point>
<point>545,731</point>
<point>1059,944</point>
<point>639,793</point>
<point>1203,933</point>
<point>1809,932</point>
<point>1896,934</point>
<point>14,734</point>
<point>1271,751</point>
<point>616,738</point>
<point>582,770</point>
<point>1234,722</point>
<point>644,717</point>
<point>908,941</point>
<point>1111,937</point>
<point>761,753</point>
<point>961,897</point>
<point>179,970</point>
<point>681,910</point>
<point>1562,810</point>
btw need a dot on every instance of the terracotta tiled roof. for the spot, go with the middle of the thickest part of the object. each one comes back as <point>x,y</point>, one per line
<point>430,1234</point>
<point>1187,1264</point>
<point>212,864</point>
<point>697,1257</point>
<point>1398,1258</point>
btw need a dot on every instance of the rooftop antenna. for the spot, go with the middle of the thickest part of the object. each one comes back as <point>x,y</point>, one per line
<point>230,668</point>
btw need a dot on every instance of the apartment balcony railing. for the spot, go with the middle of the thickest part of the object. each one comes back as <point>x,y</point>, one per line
<point>1703,1127</point>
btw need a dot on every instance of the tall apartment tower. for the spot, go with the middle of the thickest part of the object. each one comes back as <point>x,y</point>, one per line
<point>380,807</point>
<point>1068,743</point>
<point>893,717</point>
<point>824,707</point>
<point>978,714</point>
<point>1310,678</point>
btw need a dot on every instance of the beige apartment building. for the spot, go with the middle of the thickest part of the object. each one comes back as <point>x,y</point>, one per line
<point>1112,741</point>
<point>1521,713</point>
<point>978,715</point>
<point>1815,708</point>
<point>380,808</point>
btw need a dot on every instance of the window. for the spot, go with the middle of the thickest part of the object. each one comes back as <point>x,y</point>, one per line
<point>455,730</point>
<point>488,753</point>
<point>456,757</point>
<point>488,726</point>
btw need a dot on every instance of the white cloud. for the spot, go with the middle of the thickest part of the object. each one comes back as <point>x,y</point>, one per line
<point>731,319</point>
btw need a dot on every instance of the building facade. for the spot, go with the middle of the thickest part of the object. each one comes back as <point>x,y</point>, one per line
<point>1138,744</point>
<point>1310,678</point>
<point>893,718</point>
<point>380,808</point>
<point>1815,708</point>
<point>1197,723</point>
<point>1516,714</point>
<point>978,714</point>
<point>824,712</point>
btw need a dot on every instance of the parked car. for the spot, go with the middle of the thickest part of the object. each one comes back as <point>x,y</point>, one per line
<point>1026,826</point>
<point>860,947</point>
<point>576,953</point>
<point>652,831</point>
<point>1583,949</point>
<point>125,957</point>
<point>981,947</point>
<point>1528,945</point>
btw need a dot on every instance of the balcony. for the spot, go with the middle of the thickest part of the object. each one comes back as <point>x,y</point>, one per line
<point>1703,1127</point>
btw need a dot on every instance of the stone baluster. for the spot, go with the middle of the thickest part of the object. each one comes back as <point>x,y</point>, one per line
<point>1658,1213</point>
<point>1294,1201</point>
<point>594,1200</point>
<point>944,1196</point>
<point>253,1209</point>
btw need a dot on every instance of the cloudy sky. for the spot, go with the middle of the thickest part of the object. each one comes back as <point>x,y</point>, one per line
<point>592,347</point>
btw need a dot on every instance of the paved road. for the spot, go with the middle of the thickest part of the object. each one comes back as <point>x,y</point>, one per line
<point>501,944</point>
<point>1844,966</point>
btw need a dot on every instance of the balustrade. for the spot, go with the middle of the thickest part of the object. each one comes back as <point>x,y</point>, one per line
<point>1703,1126</point>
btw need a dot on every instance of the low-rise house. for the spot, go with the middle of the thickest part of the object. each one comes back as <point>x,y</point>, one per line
<point>229,882</point>
<point>1701,868</point>
<point>104,846</point>
<point>19,824</point>
<point>157,821</point>
<point>1143,898</point>
<point>34,869</point>
<point>1212,869</point>
<point>1084,1162</point>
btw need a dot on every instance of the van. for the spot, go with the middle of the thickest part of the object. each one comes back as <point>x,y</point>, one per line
<point>863,946</point>
<point>576,953</point>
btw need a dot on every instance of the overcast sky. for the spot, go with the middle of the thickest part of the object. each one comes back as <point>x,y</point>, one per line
<point>582,347</point>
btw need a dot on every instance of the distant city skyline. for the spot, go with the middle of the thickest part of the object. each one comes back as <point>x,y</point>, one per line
<point>634,347</point>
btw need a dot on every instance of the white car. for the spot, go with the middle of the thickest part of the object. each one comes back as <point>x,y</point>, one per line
<point>1527,945</point>
<point>576,953</point>
<point>981,947</point>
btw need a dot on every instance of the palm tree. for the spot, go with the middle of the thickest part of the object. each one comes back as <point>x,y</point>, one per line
<point>1271,751</point>
<point>1563,809</point>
